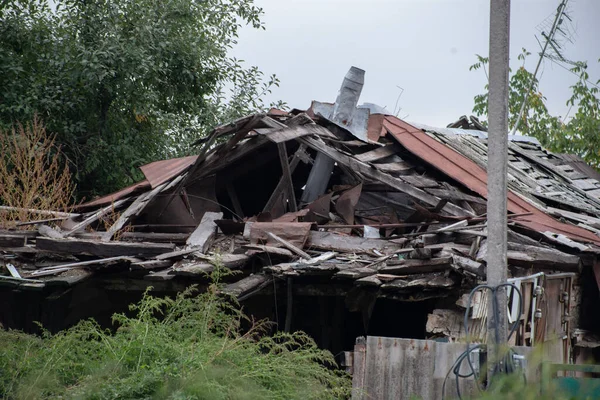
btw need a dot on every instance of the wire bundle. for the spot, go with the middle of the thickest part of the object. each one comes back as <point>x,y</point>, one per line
<point>505,365</point>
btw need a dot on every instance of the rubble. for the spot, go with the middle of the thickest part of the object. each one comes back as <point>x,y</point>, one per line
<point>400,216</point>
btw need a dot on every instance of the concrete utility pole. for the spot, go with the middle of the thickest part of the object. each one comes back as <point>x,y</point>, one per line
<point>497,160</point>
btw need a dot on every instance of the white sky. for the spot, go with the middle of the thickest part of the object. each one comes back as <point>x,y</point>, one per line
<point>423,46</point>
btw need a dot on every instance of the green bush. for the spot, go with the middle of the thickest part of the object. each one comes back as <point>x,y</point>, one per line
<point>190,347</point>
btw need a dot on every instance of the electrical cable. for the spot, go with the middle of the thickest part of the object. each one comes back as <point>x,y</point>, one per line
<point>506,364</point>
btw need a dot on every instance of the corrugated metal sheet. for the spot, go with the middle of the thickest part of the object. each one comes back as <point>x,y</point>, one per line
<point>159,172</point>
<point>110,198</point>
<point>467,172</point>
<point>156,173</point>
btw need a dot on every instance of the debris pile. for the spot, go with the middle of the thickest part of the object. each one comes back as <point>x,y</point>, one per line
<point>366,206</point>
<point>259,201</point>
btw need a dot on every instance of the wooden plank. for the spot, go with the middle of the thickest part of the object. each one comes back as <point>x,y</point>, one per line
<point>407,267</point>
<point>204,234</point>
<point>102,249</point>
<point>455,195</point>
<point>289,246</point>
<point>192,269</point>
<point>40,221</point>
<point>275,251</point>
<point>380,176</point>
<point>395,167</point>
<point>151,264</point>
<point>95,217</point>
<point>237,206</point>
<point>565,241</point>
<point>552,169</point>
<point>163,275</point>
<point>69,280</point>
<point>350,244</point>
<point>13,271</point>
<point>215,162</point>
<point>57,214</point>
<point>420,181</point>
<point>80,264</point>
<point>154,237</point>
<point>134,209</point>
<point>231,261</point>
<point>244,287</point>
<point>290,133</point>
<point>353,273</point>
<point>586,184</point>
<point>12,240</point>
<point>540,257</point>
<point>377,154</point>
<point>287,175</point>
<point>468,265</point>
<point>595,193</point>
<point>177,253</point>
<point>46,231</point>
<point>368,281</point>
<point>586,219</point>
<point>298,156</point>
<point>295,233</point>
<point>238,136</point>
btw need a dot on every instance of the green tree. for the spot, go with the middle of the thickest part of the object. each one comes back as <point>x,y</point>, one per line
<point>124,82</point>
<point>579,134</point>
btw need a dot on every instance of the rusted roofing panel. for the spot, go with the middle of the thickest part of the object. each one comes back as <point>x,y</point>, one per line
<point>110,198</point>
<point>375,127</point>
<point>161,171</point>
<point>277,112</point>
<point>467,172</point>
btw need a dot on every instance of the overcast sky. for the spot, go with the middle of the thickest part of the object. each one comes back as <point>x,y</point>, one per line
<point>423,46</point>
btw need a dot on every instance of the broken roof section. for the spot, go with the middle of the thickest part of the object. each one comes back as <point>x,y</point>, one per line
<point>403,211</point>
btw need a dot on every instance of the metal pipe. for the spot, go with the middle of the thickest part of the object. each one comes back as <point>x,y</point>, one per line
<point>497,171</point>
<point>345,104</point>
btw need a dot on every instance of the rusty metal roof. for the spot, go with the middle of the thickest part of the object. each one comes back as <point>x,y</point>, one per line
<point>156,173</point>
<point>121,194</point>
<point>161,171</point>
<point>471,175</point>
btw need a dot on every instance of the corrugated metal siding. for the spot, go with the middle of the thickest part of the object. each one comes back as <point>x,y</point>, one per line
<point>111,198</point>
<point>159,172</point>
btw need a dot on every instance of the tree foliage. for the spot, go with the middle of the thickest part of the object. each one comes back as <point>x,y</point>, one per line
<point>124,82</point>
<point>579,134</point>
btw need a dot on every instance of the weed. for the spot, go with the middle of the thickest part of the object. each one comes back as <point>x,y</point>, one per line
<point>187,347</point>
<point>32,174</point>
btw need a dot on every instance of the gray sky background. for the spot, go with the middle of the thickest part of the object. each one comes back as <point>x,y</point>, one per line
<point>423,46</point>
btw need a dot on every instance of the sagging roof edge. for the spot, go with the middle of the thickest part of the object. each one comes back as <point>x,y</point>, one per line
<point>471,175</point>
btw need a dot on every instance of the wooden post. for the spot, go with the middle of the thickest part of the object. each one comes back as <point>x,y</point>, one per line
<point>282,182</point>
<point>287,175</point>
<point>289,305</point>
<point>359,368</point>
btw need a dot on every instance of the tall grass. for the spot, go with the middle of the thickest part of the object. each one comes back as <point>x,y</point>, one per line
<point>188,347</point>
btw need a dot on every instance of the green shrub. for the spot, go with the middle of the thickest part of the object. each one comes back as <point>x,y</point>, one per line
<point>190,347</point>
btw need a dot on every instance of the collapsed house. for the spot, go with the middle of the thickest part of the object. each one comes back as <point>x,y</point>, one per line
<point>339,221</point>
